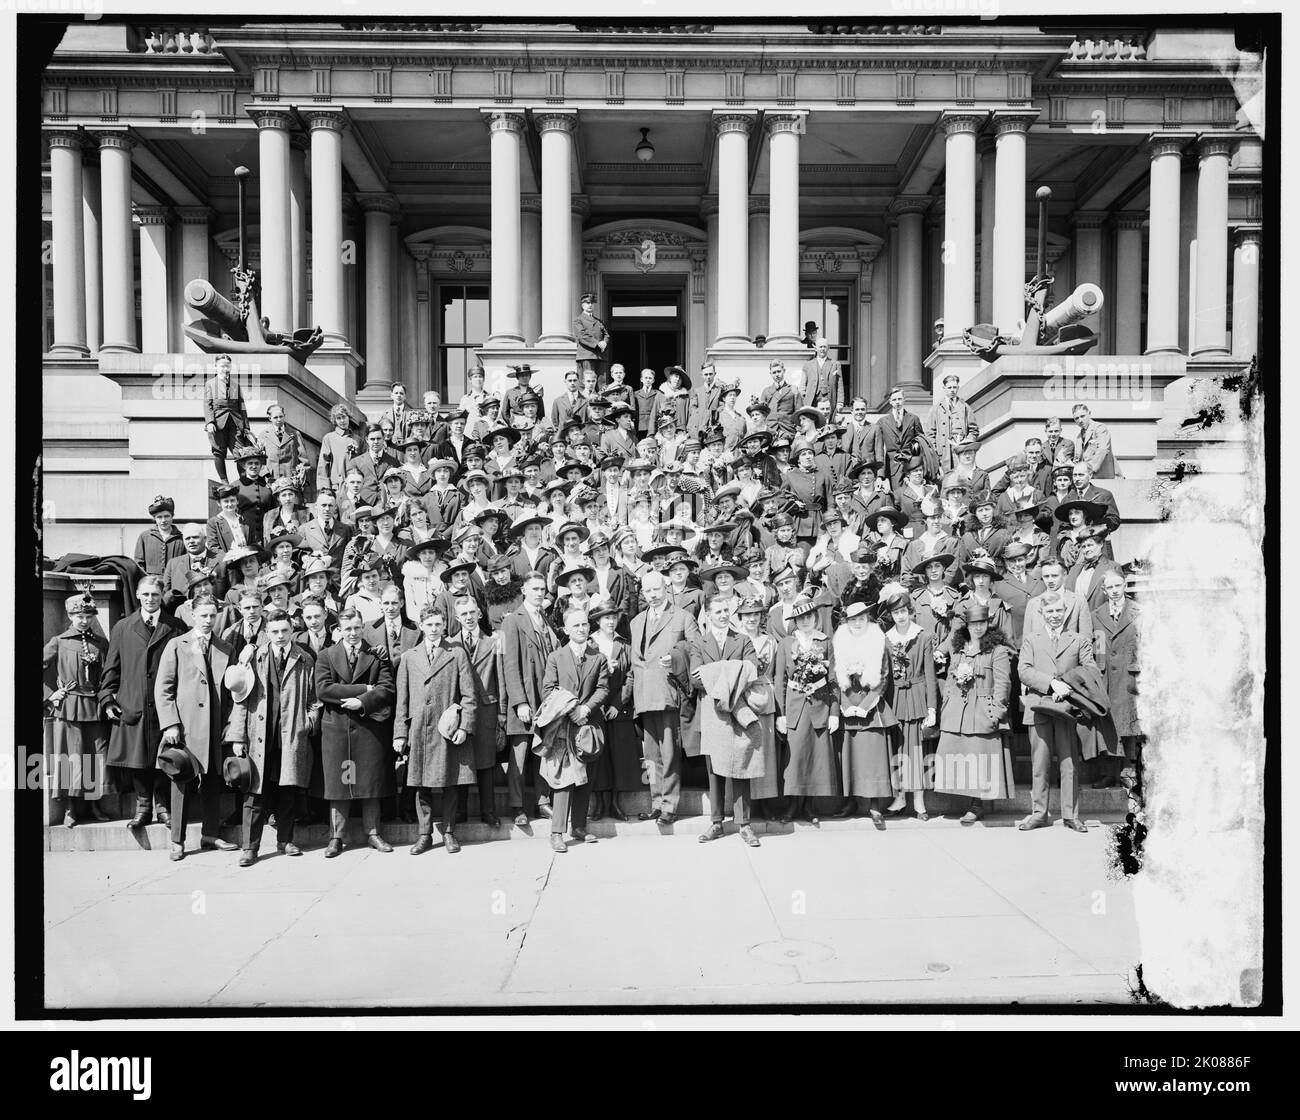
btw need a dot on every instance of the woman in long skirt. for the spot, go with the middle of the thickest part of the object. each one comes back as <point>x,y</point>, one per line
<point>809,712</point>
<point>765,790</point>
<point>862,673</point>
<point>617,768</point>
<point>78,754</point>
<point>916,702</point>
<point>971,761</point>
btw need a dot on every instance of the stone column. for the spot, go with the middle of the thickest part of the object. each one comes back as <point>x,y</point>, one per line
<point>1009,219</point>
<point>759,235</point>
<point>1245,291</point>
<point>154,318</point>
<point>118,255</point>
<point>783,130</point>
<point>194,259</point>
<point>988,193</point>
<point>1210,326</point>
<point>910,211</point>
<point>91,252</point>
<point>580,211</point>
<point>558,303</point>
<point>425,374</point>
<point>1163,243</point>
<point>378,210</point>
<point>530,218</point>
<point>1128,283</point>
<point>505,129</point>
<point>327,295</point>
<point>732,293</point>
<point>69,245</point>
<point>959,225</point>
<point>404,328</point>
<point>298,144</point>
<point>1088,267</point>
<point>861,374</point>
<point>709,214</point>
<point>273,220</point>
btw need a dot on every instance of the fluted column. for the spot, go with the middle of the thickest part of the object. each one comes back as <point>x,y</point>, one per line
<point>758,272</point>
<point>69,245</point>
<point>379,210</point>
<point>783,130</point>
<point>988,193</point>
<point>329,309</point>
<point>733,229</point>
<point>530,230</point>
<point>557,129</point>
<point>118,252</point>
<point>1163,282</point>
<point>1128,283</point>
<point>958,254</point>
<point>1245,291</point>
<point>298,229</point>
<point>505,129</point>
<point>1210,325</point>
<point>273,223</point>
<point>91,253</point>
<point>910,212</point>
<point>154,319</point>
<point>1009,219</point>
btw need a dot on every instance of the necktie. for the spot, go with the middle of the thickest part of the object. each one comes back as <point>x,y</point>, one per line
<point>149,622</point>
<point>352,657</point>
<point>281,658</point>
<point>248,631</point>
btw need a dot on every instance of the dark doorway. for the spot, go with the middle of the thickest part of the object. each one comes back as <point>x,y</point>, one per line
<point>647,329</point>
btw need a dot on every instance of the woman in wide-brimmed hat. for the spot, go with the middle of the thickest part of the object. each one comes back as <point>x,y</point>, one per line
<point>569,538</point>
<point>419,479</point>
<point>1029,517</point>
<point>935,598</point>
<point>915,702</point>
<point>751,620</point>
<point>1075,520</point>
<point>618,767</point>
<point>979,574</point>
<point>889,523</point>
<point>933,540</point>
<point>807,701</point>
<point>862,674</point>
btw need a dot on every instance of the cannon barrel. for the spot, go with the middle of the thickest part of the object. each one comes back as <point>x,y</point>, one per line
<point>1085,300</point>
<point>202,297</point>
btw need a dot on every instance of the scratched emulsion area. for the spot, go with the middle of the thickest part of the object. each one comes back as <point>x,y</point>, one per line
<point>1199,895</point>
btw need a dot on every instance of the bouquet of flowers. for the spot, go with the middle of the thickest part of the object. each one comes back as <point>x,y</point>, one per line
<point>808,674</point>
<point>899,662</point>
<point>964,675</point>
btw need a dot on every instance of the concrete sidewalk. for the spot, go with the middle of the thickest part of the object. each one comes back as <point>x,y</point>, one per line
<point>916,915</point>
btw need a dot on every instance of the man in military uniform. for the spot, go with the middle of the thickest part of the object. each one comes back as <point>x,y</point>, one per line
<point>592,336</point>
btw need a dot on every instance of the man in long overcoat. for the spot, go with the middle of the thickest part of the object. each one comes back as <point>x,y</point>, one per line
<point>126,693</point>
<point>484,660</point>
<point>526,641</point>
<point>354,682</point>
<point>272,726</point>
<point>432,677</point>
<point>894,436</point>
<point>951,422</point>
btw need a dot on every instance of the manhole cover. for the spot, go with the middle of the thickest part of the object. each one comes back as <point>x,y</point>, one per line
<point>792,952</point>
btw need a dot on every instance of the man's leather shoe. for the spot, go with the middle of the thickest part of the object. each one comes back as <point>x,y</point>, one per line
<point>714,832</point>
<point>1075,825</point>
<point>289,848</point>
<point>1031,822</point>
<point>747,835</point>
<point>422,845</point>
<point>491,820</point>
<point>667,818</point>
<point>177,853</point>
<point>557,843</point>
<point>248,858</point>
<point>217,845</point>
<point>452,844</point>
<point>583,836</point>
<point>333,848</point>
<point>544,809</point>
<point>162,816</point>
<point>652,815</point>
<point>521,819</point>
<point>138,821</point>
<point>379,843</point>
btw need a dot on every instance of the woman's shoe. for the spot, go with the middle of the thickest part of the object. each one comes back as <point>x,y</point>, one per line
<point>597,810</point>
<point>878,819</point>
<point>849,809</point>
<point>616,811</point>
<point>96,813</point>
<point>922,816</point>
<point>69,819</point>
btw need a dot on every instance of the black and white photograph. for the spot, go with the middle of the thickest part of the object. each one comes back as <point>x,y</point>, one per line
<point>646,511</point>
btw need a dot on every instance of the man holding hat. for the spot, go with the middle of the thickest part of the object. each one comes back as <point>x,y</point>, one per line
<point>225,417</point>
<point>193,706</point>
<point>512,403</point>
<point>895,439</point>
<point>275,715</point>
<point>591,335</point>
<point>951,422</point>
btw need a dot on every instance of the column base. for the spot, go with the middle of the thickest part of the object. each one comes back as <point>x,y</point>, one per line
<point>785,342</point>
<point>118,348</point>
<point>1210,354</point>
<point>949,358</point>
<point>69,350</point>
<point>1171,349</point>
<point>735,342</point>
<point>558,341</point>
<point>337,367</point>
<point>550,364</point>
<point>748,365</point>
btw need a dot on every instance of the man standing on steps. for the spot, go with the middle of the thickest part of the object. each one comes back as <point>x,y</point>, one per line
<point>593,338</point>
<point>526,642</point>
<point>661,636</point>
<point>225,415</point>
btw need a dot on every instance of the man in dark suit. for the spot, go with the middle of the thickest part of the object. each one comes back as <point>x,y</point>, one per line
<point>661,637</point>
<point>225,414</point>
<point>780,398</point>
<point>717,641</point>
<point>895,433</point>
<point>399,415</point>
<point>704,401</point>
<point>1056,448</point>
<point>1088,491</point>
<point>821,382</point>
<point>526,642</point>
<point>951,422</point>
<point>860,435</point>
<point>1045,657</point>
<point>126,693</point>
<point>325,532</point>
<point>392,632</point>
<point>592,337</point>
<point>196,557</point>
<point>566,406</point>
<point>372,463</point>
<point>1088,576</point>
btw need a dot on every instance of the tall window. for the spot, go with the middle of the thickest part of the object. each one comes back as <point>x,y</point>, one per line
<point>828,305</point>
<point>463,328</point>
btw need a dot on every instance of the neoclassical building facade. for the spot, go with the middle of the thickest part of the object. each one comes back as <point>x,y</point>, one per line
<point>430,194</point>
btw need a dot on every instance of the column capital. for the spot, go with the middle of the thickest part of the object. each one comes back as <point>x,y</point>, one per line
<point>267,116</point>
<point>1168,143</point>
<point>503,120</point>
<point>957,121</point>
<point>556,120</point>
<point>909,204</point>
<point>530,203</point>
<point>709,206</point>
<point>299,142</point>
<point>152,215</point>
<point>580,206</point>
<point>329,120</point>
<point>1248,233</point>
<point>377,202</point>
<point>1215,144</point>
<point>120,139</point>
<point>1088,219</point>
<point>1129,219</point>
<point>1013,120</point>
<point>65,138</point>
<point>725,121</point>
<point>793,120</point>
<point>758,204</point>
<point>195,215</point>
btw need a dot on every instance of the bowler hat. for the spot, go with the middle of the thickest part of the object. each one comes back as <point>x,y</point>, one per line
<point>178,764</point>
<point>238,773</point>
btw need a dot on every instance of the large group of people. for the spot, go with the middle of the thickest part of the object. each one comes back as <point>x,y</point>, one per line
<point>630,586</point>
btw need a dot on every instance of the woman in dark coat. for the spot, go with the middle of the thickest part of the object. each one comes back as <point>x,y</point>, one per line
<point>1117,739</point>
<point>935,600</point>
<point>862,674</point>
<point>916,704</point>
<point>808,707</point>
<point>501,591</point>
<point>78,752</point>
<point>618,767</point>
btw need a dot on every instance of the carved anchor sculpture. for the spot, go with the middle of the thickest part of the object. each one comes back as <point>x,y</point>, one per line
<point>1054,331</point>
<point>237,327</point>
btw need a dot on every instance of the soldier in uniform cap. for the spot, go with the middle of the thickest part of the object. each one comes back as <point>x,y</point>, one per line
<point>592,336</point>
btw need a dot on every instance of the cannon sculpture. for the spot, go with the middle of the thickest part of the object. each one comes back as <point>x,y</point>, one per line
<point>1048,329</point>
<point>236,326</point>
